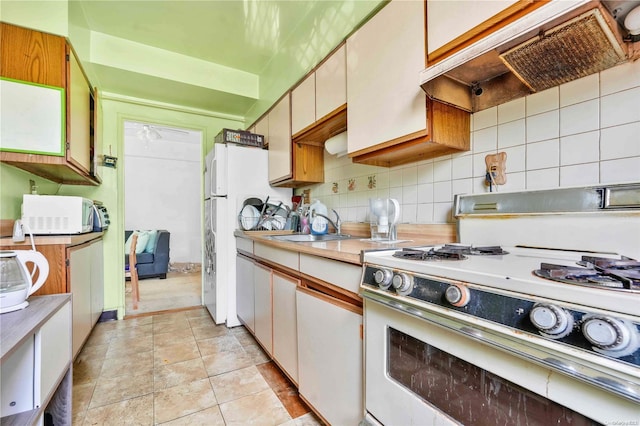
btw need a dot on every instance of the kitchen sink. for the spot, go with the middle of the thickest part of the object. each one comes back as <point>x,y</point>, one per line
<point>309,238</point>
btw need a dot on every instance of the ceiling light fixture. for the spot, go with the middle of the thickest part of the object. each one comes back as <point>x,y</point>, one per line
<point>147,133</point>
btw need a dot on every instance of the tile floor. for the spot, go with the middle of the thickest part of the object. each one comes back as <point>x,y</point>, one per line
<point>178,290</point>
<point>179,368</point>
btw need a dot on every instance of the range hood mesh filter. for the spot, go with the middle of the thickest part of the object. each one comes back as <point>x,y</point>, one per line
<point>578,48</point>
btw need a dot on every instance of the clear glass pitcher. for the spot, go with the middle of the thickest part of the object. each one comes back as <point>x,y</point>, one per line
<point>16,282</point>
<point>384,215</point>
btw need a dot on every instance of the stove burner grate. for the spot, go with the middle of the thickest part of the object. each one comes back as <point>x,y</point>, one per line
<point>448,252</point>
<point>621,273</point>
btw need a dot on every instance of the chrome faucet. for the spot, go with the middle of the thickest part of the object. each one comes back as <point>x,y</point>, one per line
<point>337,224</point>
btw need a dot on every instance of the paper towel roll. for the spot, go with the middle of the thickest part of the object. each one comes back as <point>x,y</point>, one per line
<point>337,145</point>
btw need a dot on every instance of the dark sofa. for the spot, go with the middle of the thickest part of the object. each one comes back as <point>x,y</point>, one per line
<point>156,264</point>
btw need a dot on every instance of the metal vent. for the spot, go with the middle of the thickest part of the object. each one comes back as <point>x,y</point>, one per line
<point>580,47</point>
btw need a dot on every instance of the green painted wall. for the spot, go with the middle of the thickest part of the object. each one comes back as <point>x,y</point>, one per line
<point>13,184</point>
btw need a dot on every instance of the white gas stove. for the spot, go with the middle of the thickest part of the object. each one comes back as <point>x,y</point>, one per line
<point>562,293</point>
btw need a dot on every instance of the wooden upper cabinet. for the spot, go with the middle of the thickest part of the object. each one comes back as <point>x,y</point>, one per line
<point>390,119</point>
<point>453,25</point>
<point>30,56</point>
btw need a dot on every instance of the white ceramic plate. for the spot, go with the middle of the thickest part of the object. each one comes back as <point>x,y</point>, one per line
<point>249,217</point>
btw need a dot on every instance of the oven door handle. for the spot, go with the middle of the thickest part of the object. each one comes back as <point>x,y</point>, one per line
<point>590,371</point>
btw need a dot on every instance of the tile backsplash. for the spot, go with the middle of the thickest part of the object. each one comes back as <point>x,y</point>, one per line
<point>580,133</point>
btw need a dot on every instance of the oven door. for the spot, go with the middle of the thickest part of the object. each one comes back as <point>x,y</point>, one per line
<point>419,373</point>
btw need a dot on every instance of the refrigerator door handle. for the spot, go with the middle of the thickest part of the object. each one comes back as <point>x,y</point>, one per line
<point>212,175</point>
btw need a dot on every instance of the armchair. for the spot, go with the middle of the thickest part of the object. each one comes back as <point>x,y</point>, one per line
<point>155,263</point>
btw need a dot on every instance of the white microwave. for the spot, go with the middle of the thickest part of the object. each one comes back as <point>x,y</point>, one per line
<point>57,214</point>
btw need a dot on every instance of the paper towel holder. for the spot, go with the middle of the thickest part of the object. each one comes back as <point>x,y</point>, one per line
<point>337,145</point>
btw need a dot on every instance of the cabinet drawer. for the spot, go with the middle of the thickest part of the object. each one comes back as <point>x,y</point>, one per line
<point>244,244</point>
<point>344,275</point>
<point>282,257</point>
<point>55,347</point>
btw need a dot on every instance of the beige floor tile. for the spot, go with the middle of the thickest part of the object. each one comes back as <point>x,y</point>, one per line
<point>112,390</point>
<point>202,321</point>
<point>238,383</point>
<point>86,370</point>
<point>100,337</point>
<point>258,356</point>
<point>195,313</point>
<point>169,339</point>
<point>169,317</point>
<point>245,339</point>
<point>177,326</point>
<point>166,376</point>
<point>219,344</point>
<point>129,364</point>
<point>124,346</point>
<point>81,397</point>
<point>171,354</point>
<point>260,409</point>
<point>207,332</point>
<point>182,400</point>
<point>223,362</point>
<point>209,417</point>
<point>96,352</point>
<point>135,411</point>
<point>137,331</point>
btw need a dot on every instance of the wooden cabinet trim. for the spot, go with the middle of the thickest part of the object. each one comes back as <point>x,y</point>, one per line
<point>328,126</point>
<point>502,19</point>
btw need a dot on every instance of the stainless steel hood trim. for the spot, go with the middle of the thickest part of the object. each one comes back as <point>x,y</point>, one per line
<point>531,21</point>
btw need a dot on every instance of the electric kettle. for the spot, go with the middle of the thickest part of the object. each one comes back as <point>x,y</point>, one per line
<point>15,280</point>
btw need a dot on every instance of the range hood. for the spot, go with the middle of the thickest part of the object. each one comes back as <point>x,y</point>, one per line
<point>554,44</point>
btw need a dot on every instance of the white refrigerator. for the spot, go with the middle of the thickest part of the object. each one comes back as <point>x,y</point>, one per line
<point>232,174</point>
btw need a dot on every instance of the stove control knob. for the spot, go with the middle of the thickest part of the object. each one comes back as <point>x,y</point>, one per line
<point>457,295</point>
<point>611,336</point>
<point>403,283</point>
<point>551,321</point>
<point>383,278</point>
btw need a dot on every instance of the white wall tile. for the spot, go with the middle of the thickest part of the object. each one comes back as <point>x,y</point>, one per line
<point>442,213</point>
<point>485,140</point>
<point>479,165</point>
<point>544,101</point>
<point>515,182</point>
<point>511,134</point>
<point>620,78</point>
<point>485,118</point>
<point>479,186</point>
<point>425,193</point>
<point>620,142</point>
<point>442,171</point>
<point>396,193</point>
<point>580,90</point>
<point>542,179</point>
<point>382,193</point>
<point>410,175</point>
<point>516,158</point>
<point>580,174</point>
<point>542,155</point>
<point>462,167</point>
<point>510,111</point>
<point>382,180</point>
<point>362,214</point>
<point>580,148</point>
<point>442,191</point>
<point>622,170</point>
<point>408,213</point>
<point>543,126</point>
<point>462,186</point>
<point>620,108</point>
<point>579,118</point>
<point>410,194</point>
<point>395,178</point>
<point>425,213</point>
<point>425,173</point>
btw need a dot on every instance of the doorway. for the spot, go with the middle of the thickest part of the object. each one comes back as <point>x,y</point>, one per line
<point>162,181</point>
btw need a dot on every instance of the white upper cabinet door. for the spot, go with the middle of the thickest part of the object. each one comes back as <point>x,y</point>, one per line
<point>262,128</point>
<point>331,83</point>
<point>447,20</point>
<point>384,58</point>
<point>303,104</point>
<point>280,141</point>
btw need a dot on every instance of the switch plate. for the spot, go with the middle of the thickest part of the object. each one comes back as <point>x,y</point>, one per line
<point>497,166</point>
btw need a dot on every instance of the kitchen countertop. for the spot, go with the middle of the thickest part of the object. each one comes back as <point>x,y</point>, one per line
<point>350,250</point>
<point>42,240</point>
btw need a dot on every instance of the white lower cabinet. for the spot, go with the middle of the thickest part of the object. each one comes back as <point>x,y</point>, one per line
<point>285,330</point>
<point>245,308</point>
<point>330,357</point>
<point>263,307</point>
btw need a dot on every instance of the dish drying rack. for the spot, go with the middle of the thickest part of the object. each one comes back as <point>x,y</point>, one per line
<point>268,220</point>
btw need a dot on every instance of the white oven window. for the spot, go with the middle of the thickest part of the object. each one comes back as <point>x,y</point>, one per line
<point>468,393</point>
